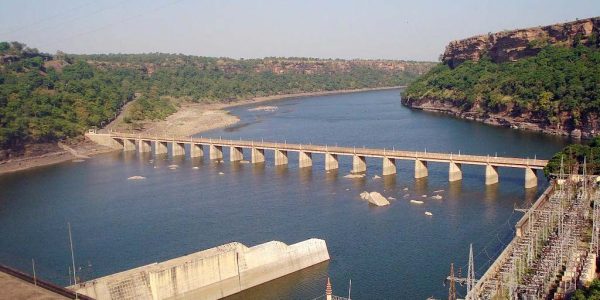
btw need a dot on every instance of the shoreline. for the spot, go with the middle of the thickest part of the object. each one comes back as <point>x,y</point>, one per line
<point>190,119</point>
<point>498,120</point>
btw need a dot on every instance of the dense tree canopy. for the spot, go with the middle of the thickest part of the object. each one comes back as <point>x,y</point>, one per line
<point>572,158</point>
<point>558,79</point>
<point>47,98</point>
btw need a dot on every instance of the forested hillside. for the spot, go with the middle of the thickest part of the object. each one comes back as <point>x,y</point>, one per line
<point>50,97</point>
<point>543,78</point>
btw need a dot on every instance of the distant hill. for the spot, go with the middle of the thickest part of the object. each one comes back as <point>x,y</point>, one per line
<point>45,98</point>
<point>544,79</point>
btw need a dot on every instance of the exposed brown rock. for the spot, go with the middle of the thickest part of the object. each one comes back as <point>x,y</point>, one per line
<point>515,44</point>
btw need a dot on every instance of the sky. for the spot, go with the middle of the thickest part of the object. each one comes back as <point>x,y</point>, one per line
<point>407,30</point>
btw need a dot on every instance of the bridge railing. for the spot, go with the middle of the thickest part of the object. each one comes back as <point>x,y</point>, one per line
<point>392,153</point>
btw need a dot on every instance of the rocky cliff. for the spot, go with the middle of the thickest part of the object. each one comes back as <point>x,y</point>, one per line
<point>515,44</point>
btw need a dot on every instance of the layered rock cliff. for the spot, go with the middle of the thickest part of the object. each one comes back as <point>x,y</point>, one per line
<point>515,44</point>
<point>543,79</point>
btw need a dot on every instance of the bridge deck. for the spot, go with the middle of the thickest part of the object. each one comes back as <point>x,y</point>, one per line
<point>511,162</point>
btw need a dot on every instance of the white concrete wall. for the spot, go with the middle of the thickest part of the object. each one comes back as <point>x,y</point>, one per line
<point>210,274</point>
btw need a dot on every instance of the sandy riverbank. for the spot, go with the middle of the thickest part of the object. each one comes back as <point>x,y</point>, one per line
<point>190,119</point>
<point>194,118</point>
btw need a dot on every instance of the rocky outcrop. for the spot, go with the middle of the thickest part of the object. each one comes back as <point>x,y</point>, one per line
<point>523,120</point>
<point>514,44</point>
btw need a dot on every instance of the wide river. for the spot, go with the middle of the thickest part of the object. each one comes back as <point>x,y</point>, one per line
<point>394,252</point>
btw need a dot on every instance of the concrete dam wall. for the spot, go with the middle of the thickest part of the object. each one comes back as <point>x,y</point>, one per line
<point>209,274</point>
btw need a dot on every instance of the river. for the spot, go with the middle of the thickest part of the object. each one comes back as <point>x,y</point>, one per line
<point>393,252</point>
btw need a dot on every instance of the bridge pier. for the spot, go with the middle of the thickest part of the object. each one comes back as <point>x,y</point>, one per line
<point>531,179</point>
<point>304,159</point>
<point>160,147</point>
<point>359,164</point>
<point>331,162</point>
<point>258,155</point>
<point>196,150</point>
<point>236,153</point>
<point>389,166</point>
<point>455,172</point>
<point>491,175</point>
<point>281,157</point>
<point>177,149</point>
<point>216,152</point>
<point>128,145</point>
<point>144,146</point>
<point>421,169</point>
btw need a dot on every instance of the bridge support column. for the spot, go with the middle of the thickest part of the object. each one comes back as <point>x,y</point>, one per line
<point>196,150</point>
<point>258,155</point>
<point>421,169</point>
<point>455,172</point>
<point>144,146</point>
<point>331,162</point>
<point>160,147</point>
<point>236,154</point>
<point>389,166</point>
<point>359,164</point>
<point>304,159</point>
<point>491,175</point>
<point>216,152</point>
<point>128,145</point>
<point>281,157</point>
<point>531,179</point>
<point>177,149</point>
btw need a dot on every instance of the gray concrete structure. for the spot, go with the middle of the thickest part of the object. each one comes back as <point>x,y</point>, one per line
<point>216,152</point>
<point>258,155</point>
<point>331,162</point>
<point>454,172</point>
<point>160,147</point>
<point>210,274</point>
<point>144,146</point>
<point>491,175</point>
<point>304,159</point>
<point>281,157</point>
<point>359,164</point>
<point>421,169</point>
<point>177,149</point>
<point>127,142</point>
<point>389,166</point>
<point>196,150</point>
<point>236,153</point>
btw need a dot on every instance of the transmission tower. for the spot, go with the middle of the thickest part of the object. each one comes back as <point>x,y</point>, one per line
<point>452,288</point>
<point>470,273</point>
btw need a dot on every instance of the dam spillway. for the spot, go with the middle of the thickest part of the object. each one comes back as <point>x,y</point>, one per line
<point>209,274</point>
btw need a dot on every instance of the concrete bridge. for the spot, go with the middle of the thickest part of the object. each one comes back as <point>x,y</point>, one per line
<point>197,146</point>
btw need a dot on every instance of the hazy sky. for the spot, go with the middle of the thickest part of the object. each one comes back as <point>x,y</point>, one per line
<point>415,30</point>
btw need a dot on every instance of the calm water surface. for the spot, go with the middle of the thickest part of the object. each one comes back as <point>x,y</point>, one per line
<point>393,252</point>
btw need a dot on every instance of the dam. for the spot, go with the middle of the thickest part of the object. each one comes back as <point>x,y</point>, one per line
<point>209,274</point>
<point>195,147</point>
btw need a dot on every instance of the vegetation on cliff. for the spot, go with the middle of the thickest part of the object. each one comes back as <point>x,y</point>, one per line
<point>46,98</point>
<point>590,293</point>
<point>559,87</point>
<point>572,157</point>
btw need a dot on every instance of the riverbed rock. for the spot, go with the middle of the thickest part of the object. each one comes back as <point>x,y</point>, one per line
<point>354,176</point>
<point>377,199</point>
<point>137,177</point>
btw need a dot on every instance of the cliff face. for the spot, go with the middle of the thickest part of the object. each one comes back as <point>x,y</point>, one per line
<point>515,44</point>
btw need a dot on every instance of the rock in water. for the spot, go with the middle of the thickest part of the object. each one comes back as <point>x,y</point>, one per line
<point>436,197</point>
<point>377,199</point>
<point>351,176</point>
<point>364,195</point>
<point>376,177</point>
<point>136,178</point>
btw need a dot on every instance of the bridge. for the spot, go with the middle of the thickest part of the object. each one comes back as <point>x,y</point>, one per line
<point>195,147</point>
